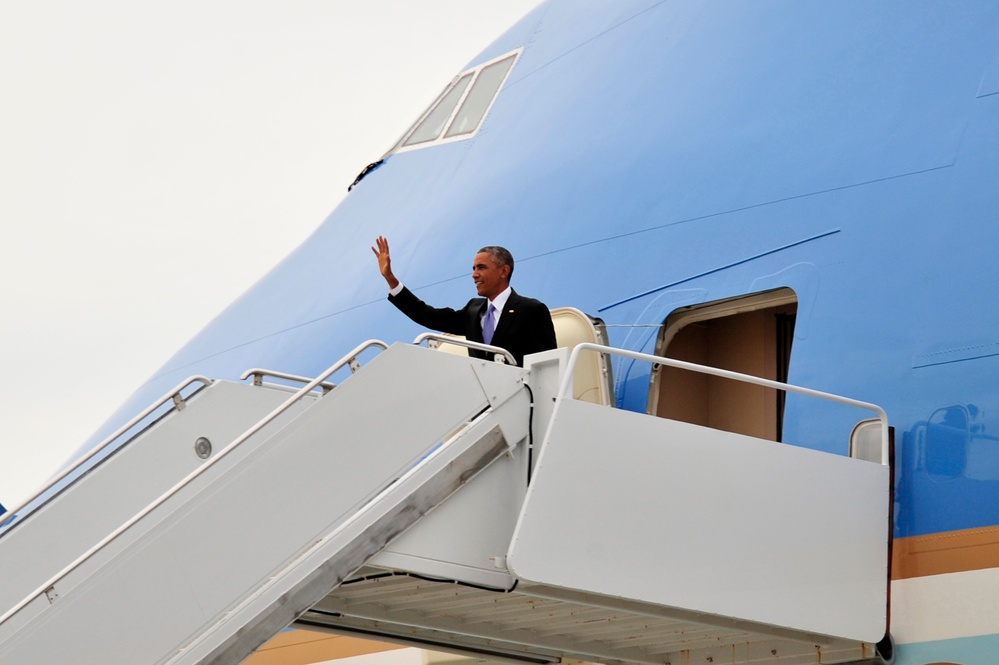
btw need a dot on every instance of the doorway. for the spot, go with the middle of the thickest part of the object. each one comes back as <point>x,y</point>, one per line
<point>750,334</point>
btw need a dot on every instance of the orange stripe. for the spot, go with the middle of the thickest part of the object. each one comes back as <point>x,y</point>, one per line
<point>947,552</point>
<point>299,647</point>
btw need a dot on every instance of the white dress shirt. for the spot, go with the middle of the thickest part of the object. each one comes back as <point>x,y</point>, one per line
<point>499,302</point>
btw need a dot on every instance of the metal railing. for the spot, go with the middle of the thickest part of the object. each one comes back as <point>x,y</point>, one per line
<point>173,394</point>
<point>349,359</point>
<point>438,338</point>
<point>259,374</point>
<point>565,391</point>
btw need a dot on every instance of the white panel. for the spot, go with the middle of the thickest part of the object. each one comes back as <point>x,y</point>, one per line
<point>498,381</point>
<point>467,536</point>
<point>944,607</point>
<point>643,508</point>
<point>484,512</point>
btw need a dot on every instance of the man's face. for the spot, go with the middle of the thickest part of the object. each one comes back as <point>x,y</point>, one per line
<point>490,278</point>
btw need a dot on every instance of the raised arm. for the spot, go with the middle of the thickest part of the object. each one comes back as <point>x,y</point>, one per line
<point>381,251</point>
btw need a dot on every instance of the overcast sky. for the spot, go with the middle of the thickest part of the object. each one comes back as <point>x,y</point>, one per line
<point>157,158</point>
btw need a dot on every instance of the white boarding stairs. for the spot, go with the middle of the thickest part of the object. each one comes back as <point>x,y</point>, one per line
<point>560,529</point>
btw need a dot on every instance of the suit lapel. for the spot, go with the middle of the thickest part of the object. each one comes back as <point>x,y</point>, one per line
<point>507,319</point>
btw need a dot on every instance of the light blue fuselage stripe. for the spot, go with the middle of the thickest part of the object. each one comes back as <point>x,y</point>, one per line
<point>980,650</point>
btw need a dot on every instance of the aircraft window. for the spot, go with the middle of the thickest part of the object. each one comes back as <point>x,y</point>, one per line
<point>480,97</point>
<point>472,94</point>
<point>751,335</point>
<point>433,124</point>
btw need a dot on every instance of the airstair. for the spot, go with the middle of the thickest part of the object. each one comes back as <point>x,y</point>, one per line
<point>453,503</point>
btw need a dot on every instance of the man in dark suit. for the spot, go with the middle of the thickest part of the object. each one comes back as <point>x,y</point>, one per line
<point>500,317</point>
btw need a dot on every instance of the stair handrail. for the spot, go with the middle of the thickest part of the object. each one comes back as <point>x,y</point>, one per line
<point>565,391</point>
<point>350,358</point>
<point>458,341</point>
<point>258,375</point>
<point>172,394</point>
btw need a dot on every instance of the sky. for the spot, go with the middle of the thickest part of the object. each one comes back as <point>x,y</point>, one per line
<point>157,158</point>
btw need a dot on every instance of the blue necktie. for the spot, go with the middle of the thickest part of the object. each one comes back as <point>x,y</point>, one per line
<point>489,325</point>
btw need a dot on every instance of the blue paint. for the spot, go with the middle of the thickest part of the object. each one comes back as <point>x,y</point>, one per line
<point>990,80</point>
<point>983,350</point>
<point>714,270</point>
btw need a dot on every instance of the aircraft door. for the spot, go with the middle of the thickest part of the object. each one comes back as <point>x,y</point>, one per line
<point>752,335</point>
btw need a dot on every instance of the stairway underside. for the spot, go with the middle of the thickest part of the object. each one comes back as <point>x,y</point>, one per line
<point>541,624</point>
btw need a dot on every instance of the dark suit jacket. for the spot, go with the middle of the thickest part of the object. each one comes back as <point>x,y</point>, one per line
<point>524,327</point>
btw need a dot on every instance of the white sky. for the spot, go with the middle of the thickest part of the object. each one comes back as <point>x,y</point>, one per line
<point>157,158</point>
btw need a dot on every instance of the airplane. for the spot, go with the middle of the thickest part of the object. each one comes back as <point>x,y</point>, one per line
<point>794,197</point>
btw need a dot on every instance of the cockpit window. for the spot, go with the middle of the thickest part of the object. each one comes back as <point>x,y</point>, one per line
<point>433,124</point>
<point>458,112</point>
<point>480,97</point>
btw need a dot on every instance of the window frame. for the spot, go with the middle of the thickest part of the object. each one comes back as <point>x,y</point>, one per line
<point>442,138</point>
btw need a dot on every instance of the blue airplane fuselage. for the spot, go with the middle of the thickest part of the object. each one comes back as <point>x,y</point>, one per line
<point>645,156</point>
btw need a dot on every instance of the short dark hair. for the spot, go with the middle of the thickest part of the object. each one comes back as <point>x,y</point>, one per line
<point>501,255</point>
